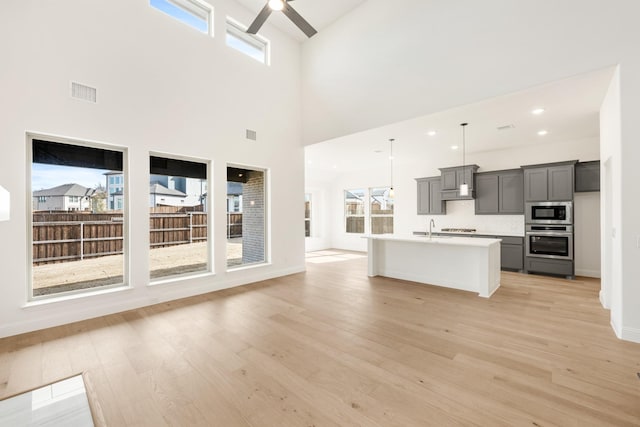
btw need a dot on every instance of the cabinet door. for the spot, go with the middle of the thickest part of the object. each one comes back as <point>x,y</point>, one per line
<point>560,182</point>
<point>535,185</point>
<point>449,181</point>
<point>436,205</point>
<point>587,176</point>
<point>511,193</point>
<point>486,194</point>
<point>512,257</point>
<point>423,196</point>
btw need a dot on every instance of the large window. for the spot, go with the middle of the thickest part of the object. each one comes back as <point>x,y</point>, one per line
<point>246,235</point>
<point>77,235</point>
<point>307,215</point>
<point>178,217</point>
<point>381,208</point>
<point>354,201</point>
<point>195,13</point>
<point>252,45</point>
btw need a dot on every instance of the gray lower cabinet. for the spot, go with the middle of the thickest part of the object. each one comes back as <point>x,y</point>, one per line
<point>549,266</point>
<point>550,182</point>
<point>512,253</point>
<point>500,192</point>
<point>429,196</point>
<point>587,176</point>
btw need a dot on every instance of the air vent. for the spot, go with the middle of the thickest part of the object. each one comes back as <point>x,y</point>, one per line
<point>86,93</point>
<point>505,127</point>
<point>252,135</point>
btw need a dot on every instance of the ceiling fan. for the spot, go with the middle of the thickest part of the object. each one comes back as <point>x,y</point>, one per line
<point>281,5</point>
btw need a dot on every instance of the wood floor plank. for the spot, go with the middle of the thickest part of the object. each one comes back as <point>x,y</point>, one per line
<point>333,347</point>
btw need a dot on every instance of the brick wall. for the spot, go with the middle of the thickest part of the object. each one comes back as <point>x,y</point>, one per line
<point>253,224</point>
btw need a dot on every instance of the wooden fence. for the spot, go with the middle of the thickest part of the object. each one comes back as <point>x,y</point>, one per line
<point>60,237</point>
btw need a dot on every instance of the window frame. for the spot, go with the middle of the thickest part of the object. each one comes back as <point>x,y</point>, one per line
<point>266,188</point>
<point>192,8</point>
<point>347,215</point>
<point>238,30</point>
<point>308,198</point>
<point>209,271</point>
<point>126,250</point>
<point>386,189</point>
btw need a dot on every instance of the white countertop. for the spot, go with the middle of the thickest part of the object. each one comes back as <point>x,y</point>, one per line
<point>453,240</point>
<point>484,233</point>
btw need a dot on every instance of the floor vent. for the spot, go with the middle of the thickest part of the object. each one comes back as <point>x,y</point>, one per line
<point>86,93</point>
<point>252,135</point>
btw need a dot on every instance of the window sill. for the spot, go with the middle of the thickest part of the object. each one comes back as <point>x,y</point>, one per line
<point>180,278</point>
<point>248,267</point>
<point>43,301</point>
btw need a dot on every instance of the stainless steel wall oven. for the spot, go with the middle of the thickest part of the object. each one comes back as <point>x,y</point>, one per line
<point>549,241</point>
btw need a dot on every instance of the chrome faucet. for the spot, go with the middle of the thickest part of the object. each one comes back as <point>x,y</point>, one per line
<point>431,224</point>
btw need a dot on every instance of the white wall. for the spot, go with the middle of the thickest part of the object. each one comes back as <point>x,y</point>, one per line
<point>162,87</point>
<point>473,50</point>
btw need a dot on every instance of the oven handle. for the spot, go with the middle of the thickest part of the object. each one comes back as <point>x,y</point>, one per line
<point>549,233</point>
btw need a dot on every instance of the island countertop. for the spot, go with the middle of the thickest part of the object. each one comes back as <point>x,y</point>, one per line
<point>437,240</point>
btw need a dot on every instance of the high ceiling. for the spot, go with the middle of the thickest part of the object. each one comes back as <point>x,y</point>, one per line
<point>571,113</point>
<point>319,13</point>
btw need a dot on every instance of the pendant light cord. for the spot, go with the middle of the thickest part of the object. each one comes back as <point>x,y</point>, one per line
<point>391,159</point>
<point>464,150</point>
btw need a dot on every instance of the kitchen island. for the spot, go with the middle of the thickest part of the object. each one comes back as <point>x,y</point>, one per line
<point>465,263</point>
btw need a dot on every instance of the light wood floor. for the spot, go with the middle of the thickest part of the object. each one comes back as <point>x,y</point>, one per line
<point>332,347</point>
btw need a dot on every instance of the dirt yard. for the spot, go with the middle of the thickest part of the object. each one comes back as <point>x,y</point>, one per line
<point>104,271</point>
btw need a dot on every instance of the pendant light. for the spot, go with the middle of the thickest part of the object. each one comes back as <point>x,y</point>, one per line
<point>391,191</point>
<point>464,188</point>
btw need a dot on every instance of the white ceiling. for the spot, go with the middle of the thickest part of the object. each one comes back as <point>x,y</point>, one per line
<point>571,113</point>
<point>319,13</point>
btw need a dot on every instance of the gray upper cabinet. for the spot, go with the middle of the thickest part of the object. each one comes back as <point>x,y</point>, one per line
<point>561,182</point>
<point>550,182</point>
<point>587,176</point>
<point>486,193</point>
<point>535,184</point>
<point>511,192</point>
<point>499,192</point>
<point>429,196</point>
<point>452,178</point>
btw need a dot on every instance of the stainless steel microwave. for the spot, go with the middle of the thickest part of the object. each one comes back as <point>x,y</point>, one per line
<point>549,213</point>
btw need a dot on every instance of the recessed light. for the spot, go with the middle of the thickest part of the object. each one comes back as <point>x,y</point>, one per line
<point>543,132</point>
<point>537,111</point>
<point>454,147</point>
<point>432,133</point>
<point>335,166</point>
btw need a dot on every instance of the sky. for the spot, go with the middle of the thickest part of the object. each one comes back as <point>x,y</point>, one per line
<point>48,176</point>
<point>180,14</point>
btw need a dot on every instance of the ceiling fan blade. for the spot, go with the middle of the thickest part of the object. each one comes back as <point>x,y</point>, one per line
<point>257,23</point>
<point>298,20</point>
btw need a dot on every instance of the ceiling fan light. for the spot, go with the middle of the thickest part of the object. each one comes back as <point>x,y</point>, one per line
<point>276,5</point>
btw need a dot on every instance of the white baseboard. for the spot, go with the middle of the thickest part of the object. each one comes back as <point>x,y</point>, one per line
<point>616,329</point>
<point>68,311</point>
<point>631,334</point>
<point>602,300</point>
<point>588,273</point>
